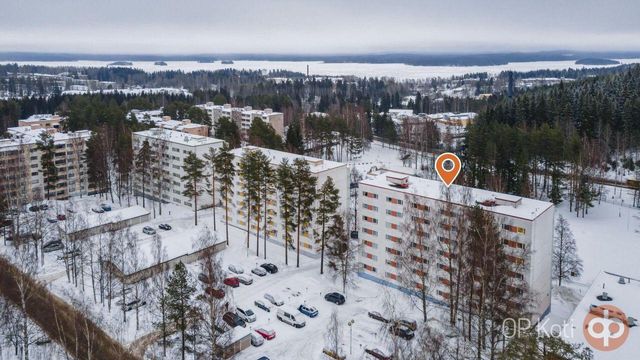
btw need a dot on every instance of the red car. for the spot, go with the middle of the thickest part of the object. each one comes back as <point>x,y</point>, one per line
<point>232,281</point>
<point>61,217</point>
<point>216,293</point>
<point>266,333</point>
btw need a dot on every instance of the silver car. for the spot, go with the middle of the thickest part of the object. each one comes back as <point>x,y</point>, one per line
<point>148,230</point>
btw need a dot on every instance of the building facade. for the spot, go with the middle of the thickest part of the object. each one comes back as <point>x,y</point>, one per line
<point>22,178</point>
<point>320,169</point>
<point>243,117</point>
<point>169,148</point>
<point>386,215</point>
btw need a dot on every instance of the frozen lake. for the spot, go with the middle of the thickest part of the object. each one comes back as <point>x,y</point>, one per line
<point>398,71</point>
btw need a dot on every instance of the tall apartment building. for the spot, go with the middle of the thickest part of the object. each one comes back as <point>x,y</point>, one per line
<point>21,178</point>
<point>321,169</point>
<point>385,203</point>
<point>169,148</point>
<point>243,117</point>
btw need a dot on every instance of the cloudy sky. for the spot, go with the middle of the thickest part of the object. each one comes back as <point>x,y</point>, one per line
<point>317,27</point>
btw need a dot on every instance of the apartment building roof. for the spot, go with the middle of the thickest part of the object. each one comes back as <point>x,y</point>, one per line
<point>25,135</point>
<point>178,137</point>
<point>41,117</point>
<point>503,204</point>
<point>275,157</point>
<point>622,292</point>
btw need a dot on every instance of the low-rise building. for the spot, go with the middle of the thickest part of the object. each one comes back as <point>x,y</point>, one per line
<point>42,121</point>
<point>321,169</point>
<point>169,148</point>
<point>21,178</point>
<point>386,211</point>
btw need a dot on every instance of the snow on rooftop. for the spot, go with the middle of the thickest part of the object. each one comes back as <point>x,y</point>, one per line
<point>504,204</point>
<point>94,219</point>
<point>25,135</point>
<point>178,137</point>
<point>41,117</point>
<point>275,157</point>
<point>624,293</point>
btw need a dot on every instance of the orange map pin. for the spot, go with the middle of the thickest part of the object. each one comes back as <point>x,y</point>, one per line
<point>448,167</point>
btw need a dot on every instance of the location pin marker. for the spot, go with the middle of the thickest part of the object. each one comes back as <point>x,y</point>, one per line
<point>448,167</point>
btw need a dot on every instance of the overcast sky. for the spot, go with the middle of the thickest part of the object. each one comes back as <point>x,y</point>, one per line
<point>315,27</point>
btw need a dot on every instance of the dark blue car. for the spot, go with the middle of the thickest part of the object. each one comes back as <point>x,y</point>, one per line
<point>308,310</point>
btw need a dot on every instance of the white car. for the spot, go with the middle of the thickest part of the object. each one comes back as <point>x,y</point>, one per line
<point>259,271</point>
<point>246,314</point>
<point>274,299</point>
<point>236,269</point>
<point>149,230</point>
<point>261,304</point>
<point>245,279</point>
<point>256,339</point>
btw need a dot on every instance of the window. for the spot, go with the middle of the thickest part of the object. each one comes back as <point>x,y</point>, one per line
<point>393,238</point>
<point>513,244</point>
<point>392,263</point>
<point>370,207</point>
<point>392,226</point>
<point>394,213</point>
<point>369,268</point>
<point>369,219</point>
<point>370,244</point>
<point>393,251</point>
<point>391,276</point>
<point>369,231</point>
<point>370,256</point>
<point>394,200</point>
<point>370,195</point>
<point>421,207</point>
<point>513,229</point>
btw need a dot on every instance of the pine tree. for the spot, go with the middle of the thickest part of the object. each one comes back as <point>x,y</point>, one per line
<point>227,130</point>
<point>262,170</point>
<point>225,175</point>
<point>565,260</point>
<point>249,176</point>
<point>341,252</point>
<point>267,186</point>
<point>179,302</point>
<point>328,203</point>
<point>305,193</point>
<point>288,208</point>
<point>263,135</point>
<point>193,168</point>
<point>294,140</point>
<point>211,182</point>
<point>142,165</point>
<point>47,160</point>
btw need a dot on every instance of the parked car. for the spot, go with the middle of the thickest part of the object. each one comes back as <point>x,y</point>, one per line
<point>378,354</point>
<point>44,207</point>
<point>267,333</point>
<point>411,324</point>
<point>261,304</point>
<point>232,281</point>
<point>291,317</point>
<point>34,208</point>
<point>216,293</point>
<point>263,358</point>
<point>61,217</point>
<point>259,271</point>
<point>401,331</point>
<point>52,220</point>
<point>308,310</point>
<point>335,298</point>
<point>256,339</point>
<point>148,230</point>
<point>53,245</point>
<point>246,314</point>
<point>236,269</point>
<point>105,207</point>
<point>245,279</point>
<point>377,316</point>
<point>97,210</point>
<point>274,299</point>
<point>233,320</point>
<point>165,226</point>
<point>133,304</point>
<point>270,268</point>
<point>354,234</point>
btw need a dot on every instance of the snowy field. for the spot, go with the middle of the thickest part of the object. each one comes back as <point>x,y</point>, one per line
<point>398,71</point>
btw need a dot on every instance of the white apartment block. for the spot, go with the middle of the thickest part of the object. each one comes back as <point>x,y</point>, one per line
<point>243,117</point>
<point>386,200</point>
<point>21,178</point>
<point>320,169</point>
<point>170,148</point>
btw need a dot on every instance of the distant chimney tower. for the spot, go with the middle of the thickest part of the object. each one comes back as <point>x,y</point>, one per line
<point>307,70</point>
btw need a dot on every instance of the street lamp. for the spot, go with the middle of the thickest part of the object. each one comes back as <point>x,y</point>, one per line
<point>351,336</point>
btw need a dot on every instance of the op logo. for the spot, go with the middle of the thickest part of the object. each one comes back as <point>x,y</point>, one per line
<point>605,327</point>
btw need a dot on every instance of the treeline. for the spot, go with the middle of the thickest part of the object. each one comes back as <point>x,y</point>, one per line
<point>548,138</point>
